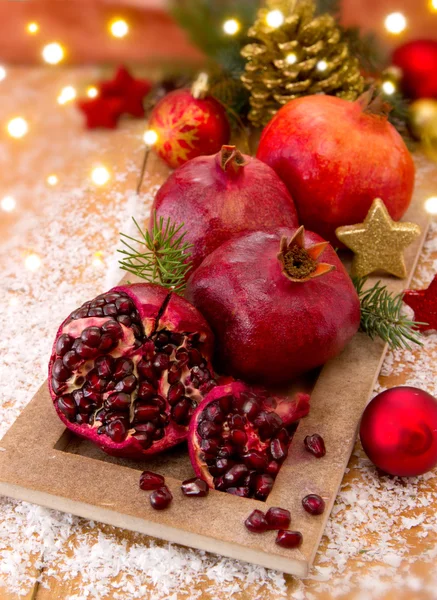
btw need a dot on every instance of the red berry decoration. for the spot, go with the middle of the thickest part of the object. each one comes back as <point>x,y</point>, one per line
<point>279,304</point>
<point>222,195</point>
<point>256,522</point>
<point>336,157</point>
<point>418,62</point>
<point>128,90</point>
<point>195,487</point>
<point>424,304</point>
<point>151,481</point>
<point>398,431</point>
<point>129,367</point>
<point>315,444</point>
<point>239,464</point>
<point>161,498</point>
<point>278,518</point>
<point>313,504</point>
<point>289,539</point>
<point>188,123</point>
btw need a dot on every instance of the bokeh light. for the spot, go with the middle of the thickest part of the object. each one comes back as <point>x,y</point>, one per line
<point>119,28</point>
<point>8,203</point>
<point>388,87</point>
<point>291,58</point>
<point>431,205</point>
<point>231,26</point>
<point>32,28</point>
<point>274,18</point>
<point>100,175</point>
<point>395,23</point>
<point>53,53</point>
<point>2,73</point>
<point>150,137</point>
<point>322,65</point>
<point>68,93</point>
<point>92,92</point>
<point>52,179</point>
<point>18,127</point>
<point>32,262</point>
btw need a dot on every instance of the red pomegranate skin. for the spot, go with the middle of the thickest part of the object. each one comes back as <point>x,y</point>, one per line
<point>217,202</point>
<point>270,329</point>
<point>155,311</point>
<point>188,127</point>
<point>335,160</point>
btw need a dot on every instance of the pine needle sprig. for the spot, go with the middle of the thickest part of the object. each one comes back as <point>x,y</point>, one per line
<point>381,316</point>
<point>158,257</point>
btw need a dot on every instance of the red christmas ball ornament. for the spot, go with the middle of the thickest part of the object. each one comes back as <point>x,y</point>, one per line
<point>188,123</point>
<point>418,61</point>
<point>398,431</point>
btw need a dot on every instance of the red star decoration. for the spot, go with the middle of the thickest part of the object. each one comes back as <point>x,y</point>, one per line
<point>129,90</point>
<point>101,112</point>
<point>424,304</point>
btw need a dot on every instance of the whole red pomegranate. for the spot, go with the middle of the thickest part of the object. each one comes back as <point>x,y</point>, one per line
<point>217,197</point>
<point>129,367</point>
<point>276,310</point>
<point>239,438</point>
<point>187,127</point>
<point>336,157</point>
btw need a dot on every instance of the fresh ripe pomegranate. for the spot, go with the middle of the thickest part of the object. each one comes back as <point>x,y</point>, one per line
<point>217,197</point>
<point>240,436</point>
<point>276,309</point>
<point>187,127</point>
<point>336,157</point>
<point>129,367</point>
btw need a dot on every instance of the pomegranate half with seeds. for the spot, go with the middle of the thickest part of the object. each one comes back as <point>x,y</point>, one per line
<point>128,369</point>
<point>239,438</point>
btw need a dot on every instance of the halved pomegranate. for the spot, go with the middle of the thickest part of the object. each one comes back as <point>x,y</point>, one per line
<point>239,438</point>
<point>128,369</point>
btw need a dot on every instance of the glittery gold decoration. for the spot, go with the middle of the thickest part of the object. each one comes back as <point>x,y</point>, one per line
<point>301,56</point>
<point>379,242</point>
<point>422,115</point>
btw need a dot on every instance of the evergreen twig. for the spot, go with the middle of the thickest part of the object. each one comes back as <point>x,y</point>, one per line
<point>381,316</point>
<point>158,257</point>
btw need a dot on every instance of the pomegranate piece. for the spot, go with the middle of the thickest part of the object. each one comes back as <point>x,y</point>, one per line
<point>151,481</point>
<point>256,522</point>
<point>313,504</point>
<point>242,464</point>
<point>289,539</point>
<point>123,365</point>
<point>278,518</point>
<point>315,444</point>
<point>161,498</point>
<point>195,487</point>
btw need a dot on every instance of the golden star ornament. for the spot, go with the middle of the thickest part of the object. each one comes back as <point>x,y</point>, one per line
<point>379,242</point>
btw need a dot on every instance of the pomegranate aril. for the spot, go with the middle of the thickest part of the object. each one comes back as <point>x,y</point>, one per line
<point>64,344</point>
<point>151,481</point>
<point>175,393</point>
<point>273,468</point>
<point>174,374</point>
<point>91,394</point>
<point>289,539</point>
<point>182,356</point>
<point>220,484</point>
<point>238,437</point>
<point>255,460</point>
<point>60,371</point>
<point>284,436</point>
<point>278,450</point>
<point>181,412</point>
<point>237,422</point>
<point>263,485</point>
<point>95,382</point>
<point>315,444</point>
<point>208,429</point>
<point>146,391</point>
<point>313,504</point>
<point>107,343</point>
<point>95,312</point>
<point>251,409</point>
<point>243,492</point>
<point>58,386</point>
<point>225,451</point>
<point>91,336</point>
<point>143,439</point>
<point>176,338</point>
<point>195,487</point>
<point>67,406</point>
<point>161,498</point>
<point>71,360</point>
<point>225,403</point>
<point>162,338</point>
<point>256,522</point>
<point>214,413</point>
<point>124,320</point>
<point>278,518</point>
<point>145,412</point>
<point>104,365</point>
<point>146,370</point>
<point>123,367</point>
<point>128,384</point>
<point>235,474</point>
<point>119,400</point>
<point>84,351</point>
<point>116,431</point>
<point>159,434</point>
<point>113,329</point>
<point>124,305</point>
<point>194,358</point>
<point>117,415</point>
<point>210,447</point>
<point>161,362</point>
<point>158,401</point>
<point>83,418</point>
<point>168,349</point>
<point>110,310</point>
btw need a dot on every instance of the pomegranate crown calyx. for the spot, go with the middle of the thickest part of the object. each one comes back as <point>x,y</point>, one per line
<point>300,264</point>
<point>231,159</point>
<point>373,103</point>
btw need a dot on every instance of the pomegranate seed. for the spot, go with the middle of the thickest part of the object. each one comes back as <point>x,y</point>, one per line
<point>91,336</point>
<point>116,431</point>
<point>119,400</point>
<point>124,305</point>
<point>237,422</point>
<point>67,406</point>
<point>222,465</point>
<point>175,393</point>
<point>194,358</point>
<point>146,391</point>
<point>174,374</point>
<point>251,409</point>
<point>256,522</point>
<point>161,498</point>
<point>146,370</point>
<point>71,360</point>
<point>225,403</point>
<point>125,320</point>
<point>195,487</point>
<point>161,362</point>
<point>85,351</point>
<point>214,413</point>
<point>263,486</point>
<point>110,310</point>
<point>208,429</point>
<point>243,491</point>
<point>225,451</point>
<point>315,444</point>
<point>238,437</point>
<point>127,385</point>
<point>104,365</point>
<point>180,412</point>
<point>107,343</point>
<point>145,412</point>
<point>60,372</point>
<point>64,344</point>
<point>58,386</point>
<point>235,473</point>
<point>313,504</point>
<point>289,539</point>
<point>113,329</point>
<point>278,450</point>
<point>255,460</point>
<point>278,518</point>
<point>273,468</point>
<point>123,367</point>
<point>151,481</point>
<point>284,436</point>
<point>209,446</point>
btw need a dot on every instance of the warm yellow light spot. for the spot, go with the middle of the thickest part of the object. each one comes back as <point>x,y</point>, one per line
<point>274,18</point>
<point>291,58</point>
<point>231,26</point>
<point>13,301</point>
<point>8,203</point>
<point>119,28</point>
<point>53,53</point>
<point>395,23</point>
<point>388,87</point>
<point>92,92</point>
<point>52,179</point>
<point>32,28</point>
<point>97,261</point>
<point>322,65</point>
<point>2,73</point>
<point>433,5</point>
<point>150,137</point>
<point>32,262</point>
<point>431,205</point>
<point>100,175</point>
<point>67,94</point>
<point>18,127</point>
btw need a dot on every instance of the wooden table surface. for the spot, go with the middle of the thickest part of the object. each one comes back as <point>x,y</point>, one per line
<point>381,542</point>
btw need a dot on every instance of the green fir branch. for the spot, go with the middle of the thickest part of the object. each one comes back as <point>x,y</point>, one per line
<point>158,257</point>
<point>381,316</point>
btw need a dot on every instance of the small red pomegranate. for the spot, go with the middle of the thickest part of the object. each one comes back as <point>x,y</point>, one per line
<point>336,157</point>
<point>129,367</point>
<point>217,197</point>
<point>239,438</point>
<point>276,309</point>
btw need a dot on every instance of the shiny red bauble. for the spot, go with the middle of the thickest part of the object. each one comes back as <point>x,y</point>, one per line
<point>336,157</point>
<point>418,62</point>
<point>188,127</point>
<point>398,431</point>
